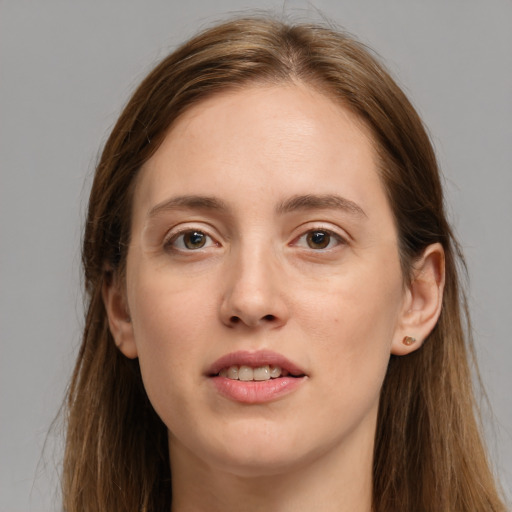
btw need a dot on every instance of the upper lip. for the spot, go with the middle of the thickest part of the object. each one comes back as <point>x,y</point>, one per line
<point>255,360</point>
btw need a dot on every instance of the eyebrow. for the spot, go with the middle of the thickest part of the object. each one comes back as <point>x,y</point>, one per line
<point>188,202</point>
<point>320,202</point>
<point>293,204</point>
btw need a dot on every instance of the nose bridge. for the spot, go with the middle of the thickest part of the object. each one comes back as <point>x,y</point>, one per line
<point>253,293</point>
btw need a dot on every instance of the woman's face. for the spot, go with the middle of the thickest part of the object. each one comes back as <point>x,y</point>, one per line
<point>263,244</point>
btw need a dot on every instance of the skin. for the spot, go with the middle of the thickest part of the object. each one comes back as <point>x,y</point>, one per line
<point>257,283</point>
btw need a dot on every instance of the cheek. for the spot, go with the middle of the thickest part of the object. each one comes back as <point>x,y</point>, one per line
<point>171,334</point>
<point>356,308</point>
<point>168,310</point>
<point>353,322</point>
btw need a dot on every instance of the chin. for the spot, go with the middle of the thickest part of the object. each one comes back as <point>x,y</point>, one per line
<point>253,455</point>
<point>257,465</point>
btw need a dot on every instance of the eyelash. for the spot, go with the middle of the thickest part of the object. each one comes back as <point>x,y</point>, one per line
<point>170,244</point>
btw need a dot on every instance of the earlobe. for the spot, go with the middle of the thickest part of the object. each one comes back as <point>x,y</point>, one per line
<point>119,320</point>
<point>422,301</point>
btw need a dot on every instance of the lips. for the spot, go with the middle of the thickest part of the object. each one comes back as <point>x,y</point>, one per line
<point>255,377</point>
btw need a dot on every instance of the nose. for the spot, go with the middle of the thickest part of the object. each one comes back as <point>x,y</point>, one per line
<point>254,294</point>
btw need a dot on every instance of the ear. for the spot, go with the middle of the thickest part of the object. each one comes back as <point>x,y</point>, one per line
<point>422,301</point>
<point>119,321</point>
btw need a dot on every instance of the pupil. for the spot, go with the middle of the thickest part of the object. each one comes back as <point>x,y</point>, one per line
<point>194,240</point>
<point>318,240</point>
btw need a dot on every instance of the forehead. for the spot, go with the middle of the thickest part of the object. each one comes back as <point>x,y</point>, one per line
<point>278,140</point>
<point>273,114</point>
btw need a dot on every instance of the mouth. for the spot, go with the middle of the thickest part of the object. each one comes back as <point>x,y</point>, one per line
<point>254,366</point>
<point>255,377</point>
<point>260,373</point>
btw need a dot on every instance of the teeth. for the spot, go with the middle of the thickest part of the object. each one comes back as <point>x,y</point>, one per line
<point>262,373</point>
<point>232,372</point>
<point>246,373</point>
<point>275,372</point>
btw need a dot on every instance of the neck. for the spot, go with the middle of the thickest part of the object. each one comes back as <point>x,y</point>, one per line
<point>332,482</point>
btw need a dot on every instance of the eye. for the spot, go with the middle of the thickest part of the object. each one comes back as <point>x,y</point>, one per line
<point>189,240</point>
<point>319,239</point>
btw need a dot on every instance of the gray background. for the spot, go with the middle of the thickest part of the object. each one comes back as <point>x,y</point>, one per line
<point>67,67</point>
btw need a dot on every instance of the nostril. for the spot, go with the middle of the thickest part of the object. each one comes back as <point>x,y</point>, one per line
<point>267,318</point>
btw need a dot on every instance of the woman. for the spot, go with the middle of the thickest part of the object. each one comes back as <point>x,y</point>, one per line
<point>275,317</point>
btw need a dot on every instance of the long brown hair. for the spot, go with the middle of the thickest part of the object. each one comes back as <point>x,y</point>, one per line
<point>429,455</point>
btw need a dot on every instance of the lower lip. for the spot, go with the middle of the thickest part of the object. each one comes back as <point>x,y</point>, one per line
<point>256,392</point>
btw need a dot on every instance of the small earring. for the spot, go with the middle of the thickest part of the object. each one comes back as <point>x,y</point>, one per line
<point>408,340</point>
